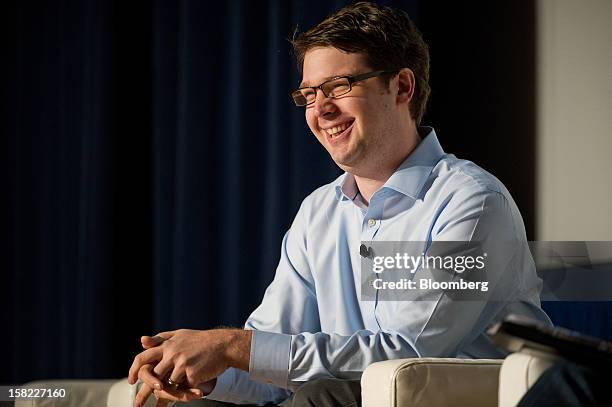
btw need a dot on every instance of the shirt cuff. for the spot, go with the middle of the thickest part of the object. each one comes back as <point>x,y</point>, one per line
<point>223,385</point>
<point>269,362</point>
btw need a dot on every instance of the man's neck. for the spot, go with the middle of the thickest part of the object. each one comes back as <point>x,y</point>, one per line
<point>371,181</point>
<point>367,186</point>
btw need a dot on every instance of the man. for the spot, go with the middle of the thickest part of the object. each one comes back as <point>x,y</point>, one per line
<point>364,89</point>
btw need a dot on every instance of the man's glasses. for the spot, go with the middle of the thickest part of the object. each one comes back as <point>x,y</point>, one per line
<point>332,88</point>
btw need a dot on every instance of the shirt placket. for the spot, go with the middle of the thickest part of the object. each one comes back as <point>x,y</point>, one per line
<point>371,220</point>
<point>369,229</point>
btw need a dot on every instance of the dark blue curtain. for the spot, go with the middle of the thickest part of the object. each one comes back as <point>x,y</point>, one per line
<point>152,160</point>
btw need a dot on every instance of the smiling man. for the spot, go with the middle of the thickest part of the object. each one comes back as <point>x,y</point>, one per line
<point>364,90</point>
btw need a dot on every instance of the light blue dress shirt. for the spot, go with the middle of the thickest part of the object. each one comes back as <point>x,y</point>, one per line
<point>312,322</point>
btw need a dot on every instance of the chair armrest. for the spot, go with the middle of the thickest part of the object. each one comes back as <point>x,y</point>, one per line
<point>122,395</point>
<point>91,393</point>
<point>519,372</point>
<point>428,382</point>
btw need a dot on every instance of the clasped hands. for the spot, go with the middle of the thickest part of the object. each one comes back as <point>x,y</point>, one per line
<point>191,358</point>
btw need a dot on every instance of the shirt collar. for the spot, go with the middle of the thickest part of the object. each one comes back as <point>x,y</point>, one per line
<point>409,177</point>
<point>346,187</point>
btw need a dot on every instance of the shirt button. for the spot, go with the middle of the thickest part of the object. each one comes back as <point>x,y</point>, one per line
<point>371,222</point>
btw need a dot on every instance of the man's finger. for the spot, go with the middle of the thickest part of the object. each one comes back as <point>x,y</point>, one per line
<point>193,393</point>
<point>143,358</point>
<point>182,395</point>
<point>163,369</point>
<point>155,340</point>
<point>143,394</point>
<point>146,375</point>
<point>151,341</point>
<point>166,335</point>
<point>178,376</point>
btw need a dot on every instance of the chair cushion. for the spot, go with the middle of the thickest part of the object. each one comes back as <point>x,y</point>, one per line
<point>426,382</point>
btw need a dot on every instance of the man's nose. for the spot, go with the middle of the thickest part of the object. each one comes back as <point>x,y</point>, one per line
<point>323,105</point>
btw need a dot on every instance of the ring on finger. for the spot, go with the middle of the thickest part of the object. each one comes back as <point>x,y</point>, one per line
<point>173,385</point>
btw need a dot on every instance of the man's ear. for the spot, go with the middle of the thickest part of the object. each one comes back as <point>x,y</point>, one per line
<point>406,84</point>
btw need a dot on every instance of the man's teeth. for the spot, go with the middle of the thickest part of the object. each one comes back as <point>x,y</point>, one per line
<point>337,129</point>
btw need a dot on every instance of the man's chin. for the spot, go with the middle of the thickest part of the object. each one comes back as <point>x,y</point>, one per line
<point>347,160</point>
<point>345,163</point>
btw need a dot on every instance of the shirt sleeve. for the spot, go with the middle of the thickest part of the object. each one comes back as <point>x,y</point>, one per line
<point>235,386</point>
<point>438,327</point>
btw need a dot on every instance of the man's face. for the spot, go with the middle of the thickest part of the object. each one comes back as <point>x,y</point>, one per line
<point>364,116</point>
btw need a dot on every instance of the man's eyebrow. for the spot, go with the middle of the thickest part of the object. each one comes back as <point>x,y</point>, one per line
<point>306,85</point>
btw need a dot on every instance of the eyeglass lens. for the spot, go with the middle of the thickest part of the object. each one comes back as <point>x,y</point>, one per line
<point>332,89</point>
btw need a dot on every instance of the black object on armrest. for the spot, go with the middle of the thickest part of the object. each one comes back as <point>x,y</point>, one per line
<point>516,332</point>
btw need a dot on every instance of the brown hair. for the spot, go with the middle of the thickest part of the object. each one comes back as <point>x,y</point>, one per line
<point>386,36</point>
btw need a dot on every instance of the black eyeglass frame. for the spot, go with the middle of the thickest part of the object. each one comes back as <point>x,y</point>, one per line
<point>351,81</point>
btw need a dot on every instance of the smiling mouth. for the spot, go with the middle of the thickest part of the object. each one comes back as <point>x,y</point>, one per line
<point>336,131</point>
